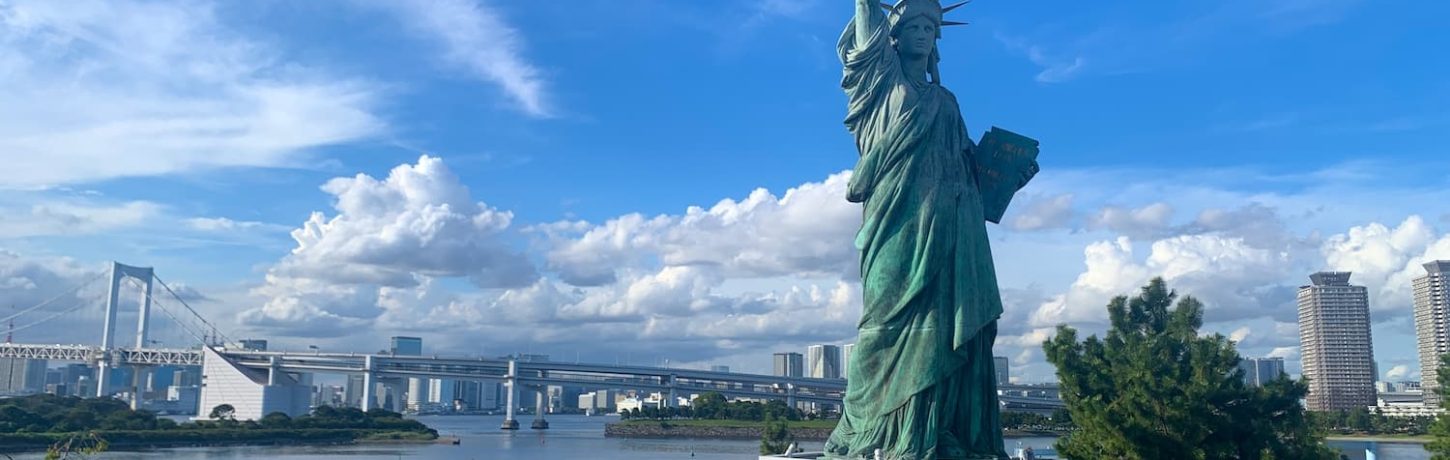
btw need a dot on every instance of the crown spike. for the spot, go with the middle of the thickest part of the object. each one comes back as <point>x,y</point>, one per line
<point>953,7</point>
<point>953,23</point>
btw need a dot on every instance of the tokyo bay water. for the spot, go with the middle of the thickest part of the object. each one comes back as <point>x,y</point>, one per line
<point>569,436</point>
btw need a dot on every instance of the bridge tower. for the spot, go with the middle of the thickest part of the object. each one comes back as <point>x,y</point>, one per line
<point>103,363</point>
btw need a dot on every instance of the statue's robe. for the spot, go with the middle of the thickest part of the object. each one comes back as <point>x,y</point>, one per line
<point>921,379</point>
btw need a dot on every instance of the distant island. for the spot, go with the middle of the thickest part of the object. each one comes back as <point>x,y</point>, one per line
<point>42,422</point>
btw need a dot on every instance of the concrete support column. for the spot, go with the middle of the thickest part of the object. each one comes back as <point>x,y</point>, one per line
<point>541,398</point>
<point>512,389</point>
<point>136,376</point>
<point>103,373</point>
<point>673,401</point>
<point>368,384</point>
<point>790,395</point>
<point>274,365</point>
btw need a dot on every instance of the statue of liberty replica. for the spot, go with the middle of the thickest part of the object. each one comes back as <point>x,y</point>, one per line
<point>921,379</point>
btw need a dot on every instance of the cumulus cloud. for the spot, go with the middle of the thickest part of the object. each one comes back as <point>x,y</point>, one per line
<point>1387,260</point>
<point>1233,279</point>
<point>476,39</point>
<point>417,224</point>
<point>420,220</point>
<point>89,84</point>
<point>800,233</point>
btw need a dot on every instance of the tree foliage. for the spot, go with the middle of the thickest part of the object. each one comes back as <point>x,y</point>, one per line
<point>1153,388</point>
<point>223,412</point>
<point>1439,448</point>
<point>775,438</point>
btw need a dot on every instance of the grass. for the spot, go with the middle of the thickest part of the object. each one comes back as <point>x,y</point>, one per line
<point>826,424</point>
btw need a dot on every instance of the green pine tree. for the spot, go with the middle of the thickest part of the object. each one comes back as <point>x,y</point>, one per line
<point>1154,389</point>
<point>775,437</point>
<point>1439,448</point>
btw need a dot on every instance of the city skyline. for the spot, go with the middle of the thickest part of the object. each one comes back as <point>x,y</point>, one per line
<point>540,199</point>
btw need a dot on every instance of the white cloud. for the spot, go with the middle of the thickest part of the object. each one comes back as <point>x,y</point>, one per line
<point>417,224</point>
<point>98,90</point>
<point>1145,221</point>
<point>797,234</point>
<point>75,218</point>
<point>1288,353</point>
<point>222,224</point>
<point>1386,260</point>
<point>476,39</point>
<point>1044,213</point>
<point>418,221</point>
<point>30,281</point>
<point>1398,372</point>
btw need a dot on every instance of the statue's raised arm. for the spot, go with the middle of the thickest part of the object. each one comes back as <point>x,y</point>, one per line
<point>868,17</point>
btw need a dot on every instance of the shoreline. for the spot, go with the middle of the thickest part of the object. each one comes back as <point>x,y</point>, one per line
<point>158,439</point>
<point>731,429</point>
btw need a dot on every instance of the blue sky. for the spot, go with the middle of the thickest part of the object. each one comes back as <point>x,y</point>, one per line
<point>1232,146</point>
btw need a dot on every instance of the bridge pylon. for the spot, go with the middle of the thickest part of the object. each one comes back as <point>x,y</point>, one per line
<point>106,357</point>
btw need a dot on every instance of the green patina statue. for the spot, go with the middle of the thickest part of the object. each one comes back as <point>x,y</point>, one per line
<point>921,381</point>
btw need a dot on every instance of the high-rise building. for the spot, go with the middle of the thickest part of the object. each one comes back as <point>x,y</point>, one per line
<point>1335,343</point>
<point>406,346</point>
<point>70,376</point>
<point>823,362</point>
<point>719,368</point>
<point>1432,318</point>
<point>1258,371</point>
<point>352,391</point>
<point>999,364</point>
<point>22,376</point>
<point>788,364</point>
<point>846,359</point>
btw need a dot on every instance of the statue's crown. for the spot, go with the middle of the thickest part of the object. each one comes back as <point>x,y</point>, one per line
<point>904,9</point>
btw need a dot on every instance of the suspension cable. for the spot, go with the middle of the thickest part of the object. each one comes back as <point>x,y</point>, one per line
<point>198,316</point>
<point>48,318</point>
<point>168,313</point>
<point>57,297</point>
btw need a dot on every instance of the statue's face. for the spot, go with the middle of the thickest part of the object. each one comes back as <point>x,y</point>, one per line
<point>916,37</point>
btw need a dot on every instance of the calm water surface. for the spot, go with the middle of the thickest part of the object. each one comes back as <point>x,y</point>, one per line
<point>569,436</point>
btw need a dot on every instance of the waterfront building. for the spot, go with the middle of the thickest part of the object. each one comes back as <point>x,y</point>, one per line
<point>789,364</point>
<point>250,393</point>
<point>1335,344</point>
<point>1258,371</point>
<point>718,368</point>
<point>823,362</point>
<point>1432,305</point>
